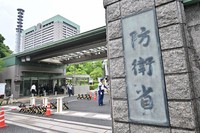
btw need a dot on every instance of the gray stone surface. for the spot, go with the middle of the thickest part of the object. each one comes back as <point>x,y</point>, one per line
<point>120,110</point>
<point>114,30</point>
<point>117,68</point>
<point>194,39</point>
<point>115,48</point>
<point>196,77</point>
<point>182,131</point>
<point>121,127</point>
<point>192,15</point>
<point>174,61</point>
<point>169,14</point>
<point>171,36</point>
<point>148,129</point>
<point>159,2</point>
<point>193,22</point>
<point>178,86</point>
<point>118,88</point>
<point>181,115</point>
<point>195,69</point>
<point>108,2</point>
<point>170,17</point>
<point>129,7</point>
<point>198,108</point>
<point>113,12</point>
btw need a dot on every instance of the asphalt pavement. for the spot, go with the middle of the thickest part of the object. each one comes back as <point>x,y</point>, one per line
<point>11,128</point>
<point>75,104</point>
<point>80,110</point>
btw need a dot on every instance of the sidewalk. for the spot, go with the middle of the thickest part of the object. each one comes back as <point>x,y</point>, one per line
<point>82,114</point>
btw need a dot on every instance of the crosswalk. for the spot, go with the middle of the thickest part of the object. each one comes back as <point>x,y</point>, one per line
<point>86,115</point>
<point>90,115</point>
<point>52,125</point>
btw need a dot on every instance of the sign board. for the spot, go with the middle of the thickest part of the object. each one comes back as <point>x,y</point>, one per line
<point>2,88</point>
<point>144,71</point>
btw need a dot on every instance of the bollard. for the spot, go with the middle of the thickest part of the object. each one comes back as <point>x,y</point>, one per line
<point>32,101</point>
<point>45,101</point>
<point>59,104</point>
<point>55,93</point>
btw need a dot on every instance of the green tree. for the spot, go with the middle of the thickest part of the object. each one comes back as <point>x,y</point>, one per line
<point>92,68</point>
<point>96,73</point>
<point>4,50</point>
<point>1,64</point>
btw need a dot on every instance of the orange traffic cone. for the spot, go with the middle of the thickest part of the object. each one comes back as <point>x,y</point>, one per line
<point>95,97</point>
<point>90,95</point>
<point>2,120</point>
<point>48,111</point>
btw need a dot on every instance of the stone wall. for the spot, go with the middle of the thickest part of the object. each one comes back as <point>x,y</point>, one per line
<point>179,60</point>
<point>193,37</point>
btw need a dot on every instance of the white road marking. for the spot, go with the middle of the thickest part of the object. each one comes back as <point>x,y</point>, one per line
<point>79,114</point>
<point>69,113</point>
<point>102,116</point>
<point>46,124</point>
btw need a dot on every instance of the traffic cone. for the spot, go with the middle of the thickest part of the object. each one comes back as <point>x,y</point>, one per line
<point>48,111</point>
<point>90,95</point>
<point>95,97</point>
<point>2,120</point>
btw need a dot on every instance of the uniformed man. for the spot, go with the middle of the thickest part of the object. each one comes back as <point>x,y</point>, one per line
<point>101,89</point>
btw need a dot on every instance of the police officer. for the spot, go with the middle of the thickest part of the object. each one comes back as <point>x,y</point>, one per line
<point>101,88</point>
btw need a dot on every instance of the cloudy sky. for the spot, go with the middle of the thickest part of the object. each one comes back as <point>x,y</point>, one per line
<point>89,14</point>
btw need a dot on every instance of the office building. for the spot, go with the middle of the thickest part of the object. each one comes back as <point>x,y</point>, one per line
<point>50,30</point>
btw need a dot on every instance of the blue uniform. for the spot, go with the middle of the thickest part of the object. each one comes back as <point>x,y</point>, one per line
<point>101,93</point>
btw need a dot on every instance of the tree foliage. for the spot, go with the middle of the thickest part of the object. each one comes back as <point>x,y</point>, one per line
<point>4,50</point>
<point>92,68</point>
<point>1,64</point>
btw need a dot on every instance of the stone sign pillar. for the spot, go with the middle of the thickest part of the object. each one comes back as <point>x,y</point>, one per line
<point>134,91</point>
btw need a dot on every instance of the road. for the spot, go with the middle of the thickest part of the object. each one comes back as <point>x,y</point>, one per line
<point>83,116</point>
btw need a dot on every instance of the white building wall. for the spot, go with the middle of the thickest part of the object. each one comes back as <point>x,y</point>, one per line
<point>52,31</point>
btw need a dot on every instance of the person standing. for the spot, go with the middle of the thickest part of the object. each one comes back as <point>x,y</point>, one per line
<point>101,88</point>
<point>70,89</point>
<point>56,89</point>
<point>33,89</point>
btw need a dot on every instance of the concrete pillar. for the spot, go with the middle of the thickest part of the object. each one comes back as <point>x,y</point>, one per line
<point>59,104</point>
<point>32,101</point>
<point>182,96</point>
<point>45,101</point>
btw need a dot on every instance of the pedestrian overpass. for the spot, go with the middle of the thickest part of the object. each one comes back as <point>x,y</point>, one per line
<point>86,46</point>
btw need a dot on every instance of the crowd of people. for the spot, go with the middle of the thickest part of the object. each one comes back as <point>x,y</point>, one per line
<point>43,89</point>
<point>40,90</point>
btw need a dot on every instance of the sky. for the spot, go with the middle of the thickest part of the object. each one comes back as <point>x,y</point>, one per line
<point>89,14</point>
